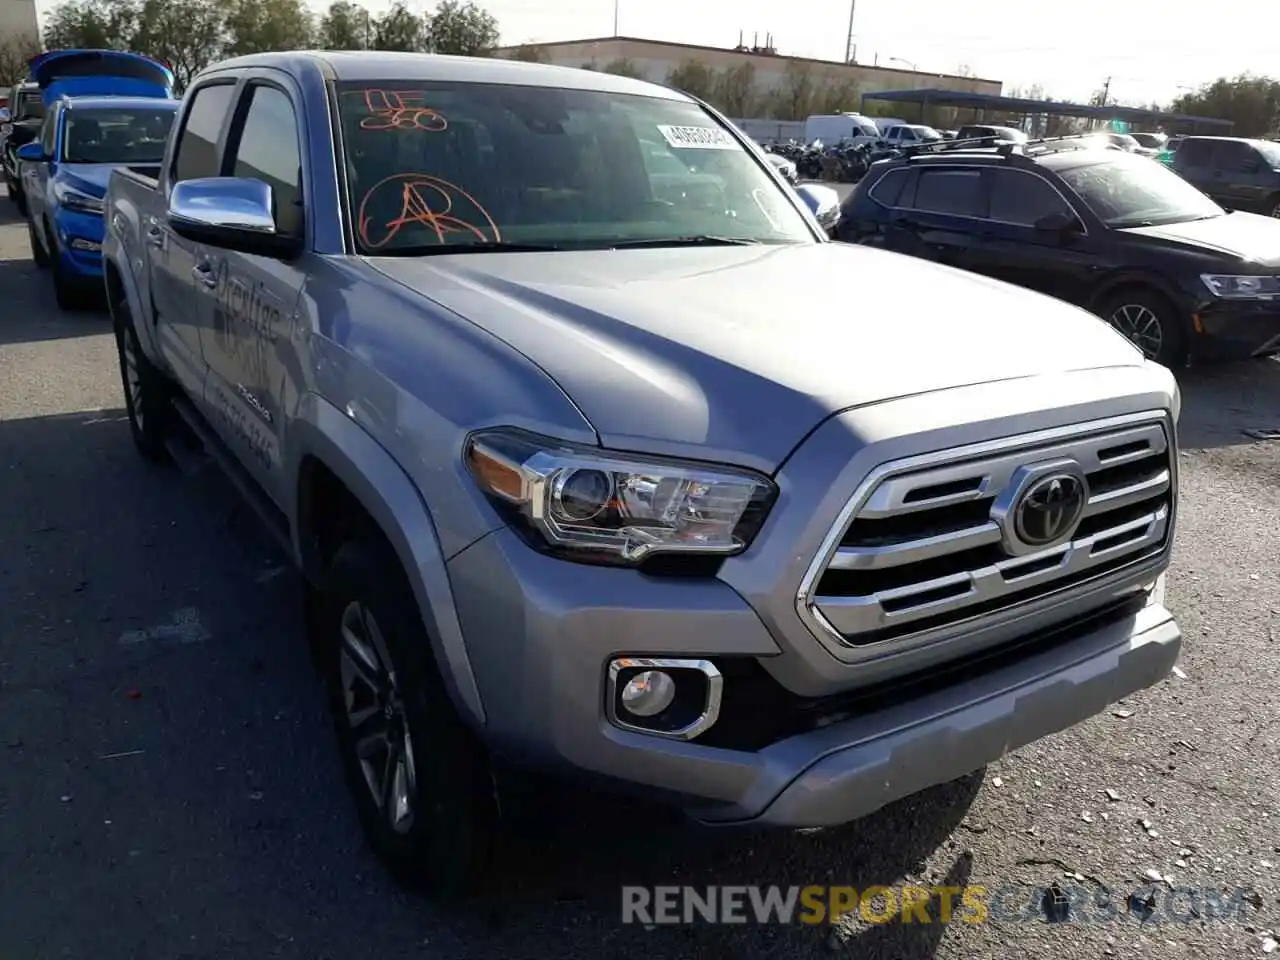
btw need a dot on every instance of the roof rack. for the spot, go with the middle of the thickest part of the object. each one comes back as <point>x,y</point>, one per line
<point>1002,148</point>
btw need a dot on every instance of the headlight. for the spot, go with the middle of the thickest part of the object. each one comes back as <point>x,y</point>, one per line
<point>618,508</point>
<point>74,200</point>
<point>1230,287</point>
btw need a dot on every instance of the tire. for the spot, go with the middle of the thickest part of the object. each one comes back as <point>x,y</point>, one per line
<point>444,845</point>
<point>146,390</point>
<point>1150,322</point>
<point>20,199</point>
<point>39,255</point>
<point>8,185</point>
<point>69,296</point>
<point>1272,208</point>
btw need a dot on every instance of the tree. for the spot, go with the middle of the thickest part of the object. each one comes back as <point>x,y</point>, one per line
<point>694,78</point>
<point>1250,102</point>
<point>260,26</point>
<point>345,26</point>
<point>794,98</point>
<point>15,54</point>
<point>835,97</point>
<point>399,29</point>
<point>186,34</point>
<point>735,91</point>
<point>463,29</point>
<point>92,24</point>
<point>624,67</point>
<point>530,53</point>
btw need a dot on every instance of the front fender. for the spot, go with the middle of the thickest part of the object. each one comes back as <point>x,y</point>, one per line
<point>1133,277</point>
<point>386,492</point>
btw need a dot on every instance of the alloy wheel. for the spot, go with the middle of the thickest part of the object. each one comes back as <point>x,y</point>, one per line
<point>375,712</point>
<point>1141,326</point>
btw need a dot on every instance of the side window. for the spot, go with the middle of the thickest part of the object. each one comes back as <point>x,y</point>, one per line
<point>1022,198</point>
<point>197,152</point>
<point>266,149</point>
<point>1195,153</point>
<point>955,192</point>
<point>888,188</point>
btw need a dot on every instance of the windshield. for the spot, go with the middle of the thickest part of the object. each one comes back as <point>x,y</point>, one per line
<point>452,165</point>
<point>1127,190</point>
<point>1270,151</point>
<point>116,135</point>
<point>928,133</point>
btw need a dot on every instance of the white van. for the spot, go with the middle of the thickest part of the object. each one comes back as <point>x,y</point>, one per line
<point>833,128</point>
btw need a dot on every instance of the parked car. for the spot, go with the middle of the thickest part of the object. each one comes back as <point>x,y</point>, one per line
<point>1120,141</point>
<point>26,114</point>
<point>1112,232</point>
<point>65,175</point>
<point>1151,141</point>
<point>73,73</point>
<point>784,166</point>
<point>576,487</point>
<point>990,134</point>
<point>1238,173</point>
<point>911,134</point>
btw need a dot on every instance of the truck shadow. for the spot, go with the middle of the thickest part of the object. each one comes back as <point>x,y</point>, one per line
<point>9,213</point>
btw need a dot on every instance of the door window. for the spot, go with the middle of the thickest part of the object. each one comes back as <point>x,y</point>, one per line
<point>955,192</point>
<point>1023,198</point>
<point>197,154</point>
<point>266,149</point>
<point>48,131</point>
<point>888,189</point>
<point>1194,153</point>
<point>1233,156</point>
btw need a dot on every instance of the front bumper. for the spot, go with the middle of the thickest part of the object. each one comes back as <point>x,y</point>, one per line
<point>542,632</point>
<point>80,238</point>
<point>1235,330</point>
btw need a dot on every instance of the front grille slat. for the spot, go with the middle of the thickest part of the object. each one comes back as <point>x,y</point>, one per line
<point>925,549</point>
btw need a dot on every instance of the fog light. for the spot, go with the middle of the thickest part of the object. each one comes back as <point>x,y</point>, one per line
<point>89,245</point>
<point>668,697</point>
<point>648,693</point>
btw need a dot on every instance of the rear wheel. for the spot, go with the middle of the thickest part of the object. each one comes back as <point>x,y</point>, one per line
<point>146,390</point>
<point>1150,323</point>
<point>420,778</point>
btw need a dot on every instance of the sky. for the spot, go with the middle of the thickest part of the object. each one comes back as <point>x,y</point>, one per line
<point>1151,50</point>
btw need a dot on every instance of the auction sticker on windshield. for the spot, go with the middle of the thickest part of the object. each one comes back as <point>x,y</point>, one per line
<point>697,138</point>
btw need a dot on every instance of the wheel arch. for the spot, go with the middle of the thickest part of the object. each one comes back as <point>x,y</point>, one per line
<point>1123,279</point>
<point>337,466</point>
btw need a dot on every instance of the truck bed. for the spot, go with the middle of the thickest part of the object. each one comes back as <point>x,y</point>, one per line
<point>148,175</point>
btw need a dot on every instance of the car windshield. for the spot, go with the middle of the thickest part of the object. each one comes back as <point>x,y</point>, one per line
<point>116,135</point>
<point>1270,151</point>
<point>928,133</point>
<point>1126,190</point>
<point>447,166</point>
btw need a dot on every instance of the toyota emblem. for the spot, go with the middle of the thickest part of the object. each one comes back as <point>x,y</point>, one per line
<point>1049,509</point>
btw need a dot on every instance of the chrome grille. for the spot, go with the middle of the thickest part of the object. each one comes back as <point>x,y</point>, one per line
<point>927,542</point>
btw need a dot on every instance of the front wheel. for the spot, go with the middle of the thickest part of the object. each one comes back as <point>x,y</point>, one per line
<point>419,777</point>
<point>1149,322</point>
<point>38,253</point>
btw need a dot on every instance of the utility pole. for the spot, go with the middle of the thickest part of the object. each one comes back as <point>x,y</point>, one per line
<point>1106,92</point>
<point>850,51</point>
<point>615,16</point>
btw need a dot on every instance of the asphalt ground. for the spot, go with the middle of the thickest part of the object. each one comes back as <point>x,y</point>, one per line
<point>169,786</point>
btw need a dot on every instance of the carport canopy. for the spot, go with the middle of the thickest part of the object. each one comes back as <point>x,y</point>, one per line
<point>984,102</point>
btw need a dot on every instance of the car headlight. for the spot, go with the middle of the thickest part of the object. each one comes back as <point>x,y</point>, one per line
<point>1231,287</point>
<point>80,202</point>
<point>598,506</point>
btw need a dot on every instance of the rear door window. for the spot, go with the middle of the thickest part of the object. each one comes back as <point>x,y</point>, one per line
<point>957,192</point>
<point>887,191</point>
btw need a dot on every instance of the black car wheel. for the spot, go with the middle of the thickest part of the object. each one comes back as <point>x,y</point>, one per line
<point>65,290</point>
<point>1150,323</point>
<point>420,778</point>
<point>146,390</point>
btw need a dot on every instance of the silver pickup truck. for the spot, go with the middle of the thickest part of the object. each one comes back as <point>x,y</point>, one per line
<point>592,468</point>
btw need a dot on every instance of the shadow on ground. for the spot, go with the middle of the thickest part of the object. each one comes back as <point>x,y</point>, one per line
<point>1221,402</point>
<point>30,313</point>
<point>168,772</point>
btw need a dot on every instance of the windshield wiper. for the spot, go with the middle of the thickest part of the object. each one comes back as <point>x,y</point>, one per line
<point>439,249</point>
<point>696,241</point>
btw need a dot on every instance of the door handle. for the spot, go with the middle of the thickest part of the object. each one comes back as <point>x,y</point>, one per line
<point>204,274</point>
<point>155,236</point>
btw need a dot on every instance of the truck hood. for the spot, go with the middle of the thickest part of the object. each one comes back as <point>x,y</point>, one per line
<point>739,352</point>
<point>1246,237</point>
<point>88,178</point>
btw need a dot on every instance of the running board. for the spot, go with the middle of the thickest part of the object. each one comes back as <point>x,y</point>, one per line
<point>215,450</point>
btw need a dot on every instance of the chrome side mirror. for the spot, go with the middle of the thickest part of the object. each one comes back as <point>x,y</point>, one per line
<point>233,213</point>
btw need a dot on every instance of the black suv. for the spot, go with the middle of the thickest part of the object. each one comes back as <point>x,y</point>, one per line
<point>1114,232</point>
<point>26,110</point>
<point>1244,174</point>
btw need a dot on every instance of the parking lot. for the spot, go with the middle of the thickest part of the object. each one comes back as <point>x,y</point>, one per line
<point>169,787</point>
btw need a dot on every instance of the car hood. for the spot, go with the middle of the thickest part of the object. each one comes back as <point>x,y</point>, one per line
<point>739,352</point>
<point>1247,237</point>
<point>89,178</point>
